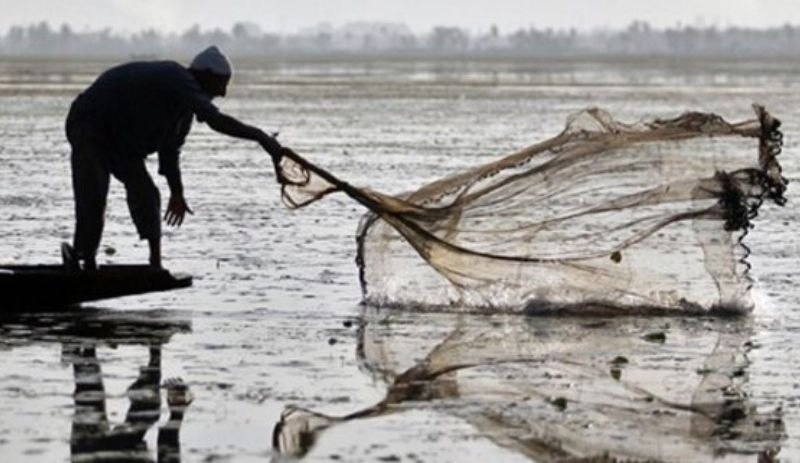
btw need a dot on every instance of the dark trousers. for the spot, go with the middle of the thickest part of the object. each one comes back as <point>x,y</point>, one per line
<point>92,168</point>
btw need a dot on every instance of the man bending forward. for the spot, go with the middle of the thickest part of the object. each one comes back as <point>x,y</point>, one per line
<point>129,112</point>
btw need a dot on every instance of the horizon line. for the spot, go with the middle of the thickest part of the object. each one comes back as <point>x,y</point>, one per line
<point>599,29</point>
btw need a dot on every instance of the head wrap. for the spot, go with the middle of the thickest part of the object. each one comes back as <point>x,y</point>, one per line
<point>211,59</point>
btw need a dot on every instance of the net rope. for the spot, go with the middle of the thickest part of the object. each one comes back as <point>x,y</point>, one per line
<point>604,216</point>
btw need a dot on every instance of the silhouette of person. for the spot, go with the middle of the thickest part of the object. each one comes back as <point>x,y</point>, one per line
<point>133,110</point>
<point>178,398</point>
<point>93,438</point>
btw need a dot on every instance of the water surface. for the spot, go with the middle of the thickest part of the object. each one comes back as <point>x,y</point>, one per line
<point>274,319</point>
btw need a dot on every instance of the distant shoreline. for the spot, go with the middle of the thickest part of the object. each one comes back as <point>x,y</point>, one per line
<point>376,40</point>
<point>413,56</point>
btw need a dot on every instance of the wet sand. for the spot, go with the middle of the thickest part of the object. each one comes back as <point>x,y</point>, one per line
<point>274,318</point>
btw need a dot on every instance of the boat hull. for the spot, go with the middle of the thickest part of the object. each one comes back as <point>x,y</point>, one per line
<point>37,287</point>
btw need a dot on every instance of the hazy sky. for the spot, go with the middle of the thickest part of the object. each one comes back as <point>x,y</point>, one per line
<point>291,15</point>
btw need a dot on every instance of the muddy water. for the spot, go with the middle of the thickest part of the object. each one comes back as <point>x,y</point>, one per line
<point>274,319</point>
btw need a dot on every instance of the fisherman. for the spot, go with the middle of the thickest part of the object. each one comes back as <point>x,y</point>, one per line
<point>129,112</point>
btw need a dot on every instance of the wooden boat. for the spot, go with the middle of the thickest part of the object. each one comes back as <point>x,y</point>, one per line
<point>34,287</point>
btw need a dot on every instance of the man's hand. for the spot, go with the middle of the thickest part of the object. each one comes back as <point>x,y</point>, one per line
<point>176,211</point>
<point>275,150</point>
<point>271,145</point>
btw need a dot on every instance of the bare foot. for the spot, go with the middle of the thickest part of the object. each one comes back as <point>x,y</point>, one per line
<point>69,258</point>
<point>90,264</point>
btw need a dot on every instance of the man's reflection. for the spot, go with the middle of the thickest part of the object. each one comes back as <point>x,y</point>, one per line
<point>178,398</point>
<point>93,437</point>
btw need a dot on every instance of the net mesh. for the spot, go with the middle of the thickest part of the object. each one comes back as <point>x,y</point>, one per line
<point>604,216</point>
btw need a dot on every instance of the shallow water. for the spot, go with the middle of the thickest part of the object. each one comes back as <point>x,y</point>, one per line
<point>274,319</point>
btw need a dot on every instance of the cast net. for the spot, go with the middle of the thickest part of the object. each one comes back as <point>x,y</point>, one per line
<point>604,216</point>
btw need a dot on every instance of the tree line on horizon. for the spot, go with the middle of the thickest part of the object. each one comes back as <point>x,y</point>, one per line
<point>247,39</point>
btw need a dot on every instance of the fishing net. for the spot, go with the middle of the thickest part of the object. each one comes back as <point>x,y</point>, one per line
<point>604,216</point>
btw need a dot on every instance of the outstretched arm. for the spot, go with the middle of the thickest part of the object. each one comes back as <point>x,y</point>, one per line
<point>178,397</point>
<point>230,126</point>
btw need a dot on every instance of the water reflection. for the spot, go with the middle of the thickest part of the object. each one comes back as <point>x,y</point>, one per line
<point>556,389</point>
<point>93,437</point>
